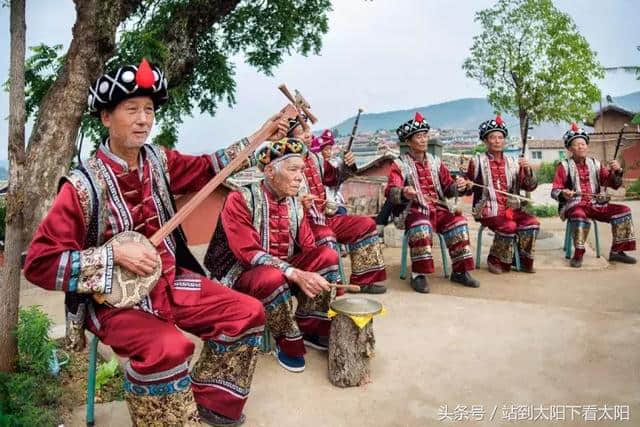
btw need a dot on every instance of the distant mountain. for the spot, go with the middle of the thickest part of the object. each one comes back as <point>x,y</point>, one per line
<point>466,113</point>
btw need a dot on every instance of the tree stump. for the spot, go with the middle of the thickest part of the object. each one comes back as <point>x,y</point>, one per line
<point>350,350</point>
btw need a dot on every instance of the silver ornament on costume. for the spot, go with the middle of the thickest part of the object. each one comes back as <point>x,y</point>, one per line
<point>104,87</point>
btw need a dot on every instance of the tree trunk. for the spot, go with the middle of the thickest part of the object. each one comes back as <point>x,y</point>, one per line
<point>350,349</point>
<point>52,140</point>
<point>10,289</point>
<point>524,128</point>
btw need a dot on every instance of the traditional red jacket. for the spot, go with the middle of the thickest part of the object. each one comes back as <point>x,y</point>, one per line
<point>585,177</point>
<point>429,177</point>
<point>103,197</point>
<point>319,173</point>
<point>255,228</point>
<point>497,174</point>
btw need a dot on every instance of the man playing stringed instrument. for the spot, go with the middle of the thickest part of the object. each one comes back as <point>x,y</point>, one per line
<point>128,186</point>
<point>498,176</point>
<point>357,232</point>
<point>417,187</point>
<point>263,246</point>
<point>577,187</point>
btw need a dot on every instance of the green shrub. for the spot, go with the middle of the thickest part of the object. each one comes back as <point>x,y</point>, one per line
<point>30,396</point>
<point>634,187</point>
<point>546,172</point>
<point>105,372</point>
<point>35,348</point>
<point>542,211</point>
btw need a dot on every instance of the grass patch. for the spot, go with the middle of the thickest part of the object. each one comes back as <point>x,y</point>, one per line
<point>32,396</point>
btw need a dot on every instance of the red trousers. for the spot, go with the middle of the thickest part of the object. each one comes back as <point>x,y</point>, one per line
<point>230,323</point>
<point>619,216</point>
<point>360,236</point>
<point>523,226</point>
<point>272,288</point>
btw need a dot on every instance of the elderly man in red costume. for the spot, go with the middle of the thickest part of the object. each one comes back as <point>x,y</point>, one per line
<point>263,246</point>
<point>129,186</point>
<point>578,180</point>
<point>494,209</point>
<point>417,186</point>
<point>357,233</point>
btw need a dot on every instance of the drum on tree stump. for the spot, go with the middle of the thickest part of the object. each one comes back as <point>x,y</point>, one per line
<point>351,347</point>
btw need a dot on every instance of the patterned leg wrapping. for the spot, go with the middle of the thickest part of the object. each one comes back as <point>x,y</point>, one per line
<point>228,367</point>
<point>622,231</point>
<point>312,313</point>
<point>166,404</point>
<point>420,248</point>
<point>527,245</point>
<point>580,229</point>
<point>367,262</point>
<point>280,319</point>
<point>456,238</point>
<point>502,250</point>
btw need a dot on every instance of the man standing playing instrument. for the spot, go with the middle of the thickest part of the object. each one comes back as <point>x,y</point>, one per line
<point>263,246</point>
<point>576,187</point>
<point>496,175</point>
<point>357,233</point>
<point>129,186</point>
<point>417,187</point>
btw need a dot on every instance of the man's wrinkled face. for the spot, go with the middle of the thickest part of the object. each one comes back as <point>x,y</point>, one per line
<point>285,176</point>
<point>494,141</point>
<point>418,142</point>
<point>579,148</point>
<point>130,122</point>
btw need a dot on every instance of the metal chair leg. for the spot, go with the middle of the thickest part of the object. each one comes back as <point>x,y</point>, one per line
<point>479,246</point>
<point>403,258</point>
<point>444,250</point>
<point>91,381</point>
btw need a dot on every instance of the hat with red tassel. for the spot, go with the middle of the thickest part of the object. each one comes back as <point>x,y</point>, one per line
<point>411,127</point>
<point>573,133</point>
<point>493,125</point>
<point>127,82</point>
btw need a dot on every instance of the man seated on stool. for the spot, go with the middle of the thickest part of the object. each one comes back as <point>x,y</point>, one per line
<point>263,246</point>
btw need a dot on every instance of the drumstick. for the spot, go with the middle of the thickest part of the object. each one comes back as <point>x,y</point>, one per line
<point>354,288</point>
<point>285,91</point>
<point>204,192</point>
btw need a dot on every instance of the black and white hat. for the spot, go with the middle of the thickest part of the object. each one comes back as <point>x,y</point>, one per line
<point>126,82</point>
<point>573,133</point>
<point>413,126</point>
<point>493,125</point>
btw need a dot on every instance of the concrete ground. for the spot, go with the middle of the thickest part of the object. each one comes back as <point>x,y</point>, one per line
<point>519,345</point>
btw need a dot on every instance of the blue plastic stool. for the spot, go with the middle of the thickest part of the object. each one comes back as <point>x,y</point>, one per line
<point>405,249</point>
<point>91,381</point>
<point>516,253</point>
<point>568,239</point>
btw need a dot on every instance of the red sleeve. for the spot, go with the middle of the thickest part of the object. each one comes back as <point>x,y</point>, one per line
<point>527,179</point>
<point>558,182</point>
<point>305,235</point>
<point>609,178</point>
<point>332,174</point>
<point>470,175</point>
<point>61,232</point>
<point>188,173</point>
<point>244,240</point>
<point>446,181</point>
<point>395,184</point>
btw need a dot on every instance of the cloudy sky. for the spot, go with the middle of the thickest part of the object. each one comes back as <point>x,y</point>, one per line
<point>381,55</point>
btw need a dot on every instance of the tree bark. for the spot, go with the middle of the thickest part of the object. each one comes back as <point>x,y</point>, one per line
<point>350,350</point>
<point>10,289</point>
<point>54,134</point>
